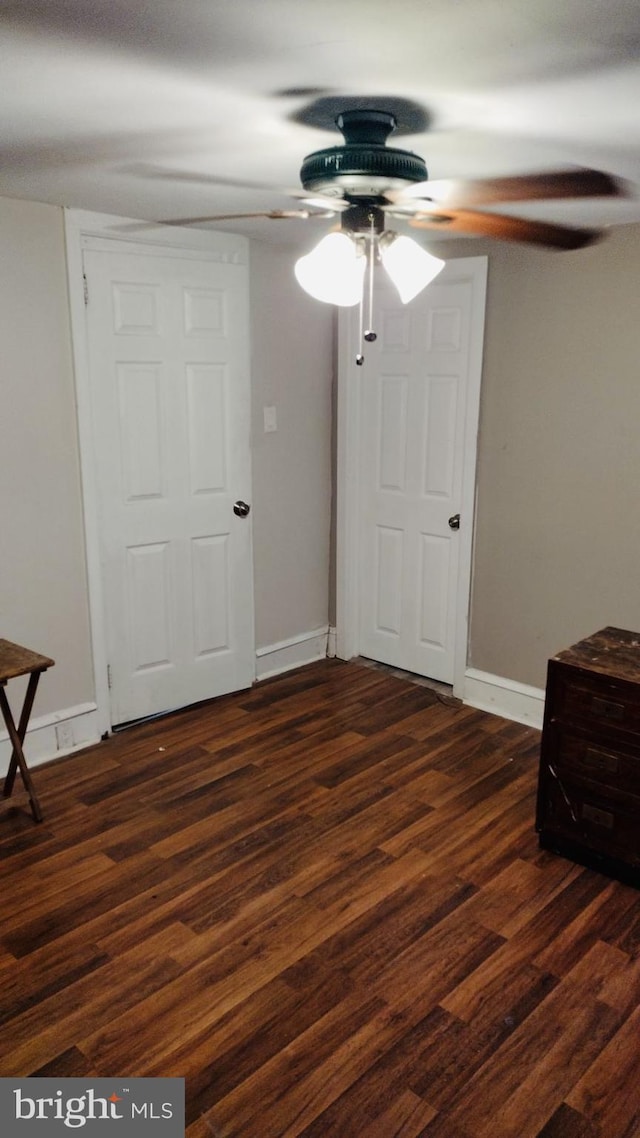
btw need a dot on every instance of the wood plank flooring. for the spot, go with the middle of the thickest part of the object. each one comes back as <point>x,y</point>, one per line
<point>322,903</point>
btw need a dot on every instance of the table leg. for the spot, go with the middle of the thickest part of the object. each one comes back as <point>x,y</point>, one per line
<point>16,736</point>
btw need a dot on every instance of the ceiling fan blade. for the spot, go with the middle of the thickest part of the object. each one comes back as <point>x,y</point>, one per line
<point>506,228</point>
<point>520,187</point>
<point>271,214</point>
<point>320,201</point>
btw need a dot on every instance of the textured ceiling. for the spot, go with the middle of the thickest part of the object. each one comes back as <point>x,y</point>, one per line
<point>160,109</point>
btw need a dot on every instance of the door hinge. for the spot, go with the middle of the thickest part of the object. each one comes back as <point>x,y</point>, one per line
<point>85,285</point>
<point>109,676</point>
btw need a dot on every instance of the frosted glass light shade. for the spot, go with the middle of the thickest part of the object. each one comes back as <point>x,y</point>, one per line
<point>333,271</point>
<point>410,267</point>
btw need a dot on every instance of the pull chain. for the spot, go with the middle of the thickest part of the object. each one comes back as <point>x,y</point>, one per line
<point>360,356</point>
<point>369,336</point>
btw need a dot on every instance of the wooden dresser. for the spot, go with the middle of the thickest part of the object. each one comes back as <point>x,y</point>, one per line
<point>589,786</point>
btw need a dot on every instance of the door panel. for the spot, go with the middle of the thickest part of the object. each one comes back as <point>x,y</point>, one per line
<point>169,385</point>
<point>388,580</point>
<point>413,415</point>
<point>206,408</point>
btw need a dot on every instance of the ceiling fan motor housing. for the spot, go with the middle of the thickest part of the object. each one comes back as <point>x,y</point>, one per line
<point>364,167</point>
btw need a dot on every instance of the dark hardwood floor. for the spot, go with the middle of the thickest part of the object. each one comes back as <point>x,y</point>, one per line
<point>322,903</point>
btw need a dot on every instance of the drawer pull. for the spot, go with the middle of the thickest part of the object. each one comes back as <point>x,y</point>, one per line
<point>598,817</point>
<point>606,708</point>
<point>601,760</point>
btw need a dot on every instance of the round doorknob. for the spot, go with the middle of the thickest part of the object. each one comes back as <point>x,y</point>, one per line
<point>241,509</point>
<point>454,521</point>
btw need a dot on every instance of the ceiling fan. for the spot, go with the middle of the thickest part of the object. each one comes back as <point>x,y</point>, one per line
<point>365,181</point>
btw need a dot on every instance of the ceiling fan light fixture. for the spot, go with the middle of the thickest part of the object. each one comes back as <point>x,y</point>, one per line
<point>333,272</point>
<point>408,265</point>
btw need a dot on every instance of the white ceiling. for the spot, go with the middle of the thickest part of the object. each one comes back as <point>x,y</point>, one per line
<point>148,108</point>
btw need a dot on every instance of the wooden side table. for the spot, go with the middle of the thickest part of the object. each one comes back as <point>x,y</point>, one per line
<point>18,661</point>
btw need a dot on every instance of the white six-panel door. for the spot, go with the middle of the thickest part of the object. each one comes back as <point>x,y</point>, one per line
<point>417,421</point>
<point>167,341</point>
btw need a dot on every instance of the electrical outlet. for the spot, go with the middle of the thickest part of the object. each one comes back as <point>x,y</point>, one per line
<point>64,735</point>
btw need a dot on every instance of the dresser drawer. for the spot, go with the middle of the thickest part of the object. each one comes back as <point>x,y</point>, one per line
<point>606,822</point>
<point>596,703</point>
<point>576,754</point>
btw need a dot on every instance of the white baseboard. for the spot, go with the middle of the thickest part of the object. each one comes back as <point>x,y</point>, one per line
<point>51,736</point>
<point>507,698</point>
<point>288,654</point>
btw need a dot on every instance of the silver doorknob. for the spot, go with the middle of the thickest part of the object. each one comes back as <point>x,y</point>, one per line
<point>241,509</point>
<point>454,521</point>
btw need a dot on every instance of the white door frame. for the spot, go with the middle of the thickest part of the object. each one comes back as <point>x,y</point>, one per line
<point>83,230</point>
<point>350,379</point>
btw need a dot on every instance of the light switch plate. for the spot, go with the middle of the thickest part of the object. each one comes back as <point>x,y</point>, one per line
<point>270,419</point>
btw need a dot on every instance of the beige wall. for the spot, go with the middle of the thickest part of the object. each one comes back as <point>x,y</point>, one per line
<point>43,593</point>
<point>559,458</point>
<point>43,589</point>
<point>558,519</point>
<point>292,369</point>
